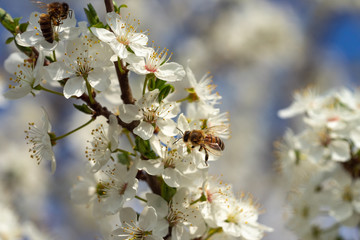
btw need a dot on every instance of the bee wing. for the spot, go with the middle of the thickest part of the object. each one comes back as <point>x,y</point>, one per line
<point>40,4</point>
<point>213,148</point>
<point>217,129</point>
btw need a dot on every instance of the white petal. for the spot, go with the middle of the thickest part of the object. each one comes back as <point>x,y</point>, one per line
<point>119,49</point>
<point>167,126</point>
<point>127,216</point>
<point>103,34</point>
<point>58,71</point>
<point>339,150</point>
<point>170,72</point>
<point>148,219</point>
<point>74,87</point>
<point>152,166</point>
<point>139,39</point>
<point>99,79</point>
<point>171,177</point>
<point>11,63</point>
<point>294,109</point>
<point>130,112</point>
<point>29,38</point>
<point>157,202</point>
<point>18,92</point>
<point>114,21</point>
<point>144,130</point>
<point>182,123</point>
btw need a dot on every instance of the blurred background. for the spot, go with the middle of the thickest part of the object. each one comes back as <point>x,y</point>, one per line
<point>259,53</point>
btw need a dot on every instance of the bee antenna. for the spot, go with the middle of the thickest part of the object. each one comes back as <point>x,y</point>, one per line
<point>177,140</point>
<point>182,133</point>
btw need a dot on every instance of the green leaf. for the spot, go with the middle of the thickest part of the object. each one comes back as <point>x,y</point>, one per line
<point>83,108</point>
<point>23,27</point>
<point>124,158</point>
<point>167,192</point>
<point>7,21</point>
<point>9,40</point>
<point>143,146</point>
<point>91,15</point>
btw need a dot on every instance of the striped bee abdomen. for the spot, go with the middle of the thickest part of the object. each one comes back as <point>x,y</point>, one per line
<point>214,139</point>
<point>46,27</point>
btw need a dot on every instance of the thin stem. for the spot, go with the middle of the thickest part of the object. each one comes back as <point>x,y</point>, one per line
<point>54,55</point>
<point>88,87</point>
<point>130,141</point>
<point>183,100</point>
<point>202,198</point>
<point>76,129</point>
<point>212,232</point>
<point>140,198</point>
<point>51,91</point>
<point>124,151</point>
<point>145,84</point>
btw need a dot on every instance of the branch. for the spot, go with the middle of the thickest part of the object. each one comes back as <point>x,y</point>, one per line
<point>109,5</point>
<point>126,94</point>
<point>99,110</point>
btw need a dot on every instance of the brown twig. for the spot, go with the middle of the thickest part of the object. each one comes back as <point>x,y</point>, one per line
<point>126,94</point>
<point>109,5</point>
<point>99,110</point>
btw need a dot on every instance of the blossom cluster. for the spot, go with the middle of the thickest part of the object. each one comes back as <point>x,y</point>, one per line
<point>146,138</point>
<point>321,163</point>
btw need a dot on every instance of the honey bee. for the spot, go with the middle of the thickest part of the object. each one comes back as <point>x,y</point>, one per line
<point>207,140</point>
<point>56,13</point>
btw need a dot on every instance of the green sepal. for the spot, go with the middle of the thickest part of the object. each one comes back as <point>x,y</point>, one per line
<point>26,50</point>
<point>83,108</point>
<point>165,91</point>
<point>155,83</point>
<point>124,158</point>
<point>167,192</point>
<point>91,15</point>
<point>143,146</point>
<point>9,40</point>
<point>117,8</point>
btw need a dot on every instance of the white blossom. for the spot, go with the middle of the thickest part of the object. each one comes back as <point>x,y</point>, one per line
<point>156,62</point>
<point>40,140</point>
<point>27,74</point>
<point>34,36</point>
<point>123,35</point>
<point>85,60</point>
<point>133,228</point>
<point>150,113</point>
<point>104,143</point>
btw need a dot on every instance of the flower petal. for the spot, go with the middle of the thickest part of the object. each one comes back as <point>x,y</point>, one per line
<point>74,87</point>
<point>103,34</point>
<point>170,72</point>
<point>129,113</point>
<point>148,219</point>
<point>144,130</point>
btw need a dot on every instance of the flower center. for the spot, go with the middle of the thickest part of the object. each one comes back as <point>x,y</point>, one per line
<point>156,59</point>
<point>150,114</point>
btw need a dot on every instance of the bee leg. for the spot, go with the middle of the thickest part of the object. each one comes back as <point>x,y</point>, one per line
<point>201,147</point>
<point>206,157</point>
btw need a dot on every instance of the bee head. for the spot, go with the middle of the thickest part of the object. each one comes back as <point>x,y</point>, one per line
<point>186,136</point>
<point>65,10</point>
